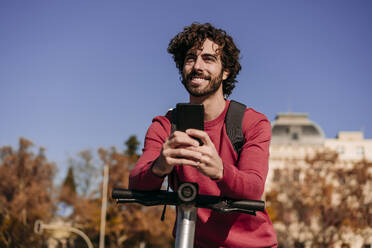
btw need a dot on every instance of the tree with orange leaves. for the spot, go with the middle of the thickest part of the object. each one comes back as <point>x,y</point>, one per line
<point>126,225</point>
<point>26,188</point>
<point>321,201</point>
<point>132,224</point>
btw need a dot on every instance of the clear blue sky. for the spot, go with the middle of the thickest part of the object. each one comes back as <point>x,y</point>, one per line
<point>86,74</point>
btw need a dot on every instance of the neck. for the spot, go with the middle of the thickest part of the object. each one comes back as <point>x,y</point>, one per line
<point>213,105</point>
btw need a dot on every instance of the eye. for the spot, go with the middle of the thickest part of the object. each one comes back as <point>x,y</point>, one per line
<point>209,58</point>
<point>190,58</point>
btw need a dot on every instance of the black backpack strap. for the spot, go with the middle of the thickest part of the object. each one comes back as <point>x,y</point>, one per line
<point>173,120</point>
<point>233,121</point>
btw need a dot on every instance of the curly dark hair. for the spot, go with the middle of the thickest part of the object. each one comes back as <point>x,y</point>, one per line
<point>194,36</point>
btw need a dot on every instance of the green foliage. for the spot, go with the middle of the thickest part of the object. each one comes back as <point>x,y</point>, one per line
<point>69,181</point>
<point>68,189</point>
<point>132,146</point>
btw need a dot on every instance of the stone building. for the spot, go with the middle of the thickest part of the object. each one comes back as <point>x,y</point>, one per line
<point>295,137</point>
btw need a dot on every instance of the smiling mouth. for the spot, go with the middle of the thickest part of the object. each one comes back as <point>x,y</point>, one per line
<point>198,79</point>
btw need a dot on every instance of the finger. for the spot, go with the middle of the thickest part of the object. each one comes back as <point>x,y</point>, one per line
<point>203,150</point>
<point>182,161</point>
<point>183,153</point>
<point>203,136</point>
<point>205,160</point>
<point>202,168</point>
<point>206,155</point>
<point>181,139</point>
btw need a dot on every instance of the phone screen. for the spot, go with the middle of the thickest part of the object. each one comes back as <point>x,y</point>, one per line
<point>189,116</point>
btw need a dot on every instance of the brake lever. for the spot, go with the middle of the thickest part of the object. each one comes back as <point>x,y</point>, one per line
<point>223,207</point>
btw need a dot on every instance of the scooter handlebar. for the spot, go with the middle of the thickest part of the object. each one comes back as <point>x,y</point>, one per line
<point>161,197</point>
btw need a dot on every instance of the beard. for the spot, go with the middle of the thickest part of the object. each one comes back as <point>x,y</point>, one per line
<point>212,86</point>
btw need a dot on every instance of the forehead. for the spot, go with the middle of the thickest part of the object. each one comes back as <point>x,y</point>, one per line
<point>207,46</point>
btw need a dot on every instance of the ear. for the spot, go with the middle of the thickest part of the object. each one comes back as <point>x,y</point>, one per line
<point>225,74</point>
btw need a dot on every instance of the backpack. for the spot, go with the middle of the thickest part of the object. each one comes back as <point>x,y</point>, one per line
<point>233,121</point>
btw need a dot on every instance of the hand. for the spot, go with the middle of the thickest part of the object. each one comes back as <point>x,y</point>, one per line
<point>211,163</point>
<point>176,150</point>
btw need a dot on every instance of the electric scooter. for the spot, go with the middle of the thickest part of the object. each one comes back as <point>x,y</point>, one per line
<point>187,199</point>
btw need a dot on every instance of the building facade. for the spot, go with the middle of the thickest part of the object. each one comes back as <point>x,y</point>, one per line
<point>295,138</point>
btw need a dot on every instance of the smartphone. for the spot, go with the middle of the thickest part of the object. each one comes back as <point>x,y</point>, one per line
<point>190,115</point>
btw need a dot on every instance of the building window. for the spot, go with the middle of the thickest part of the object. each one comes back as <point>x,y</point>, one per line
<point>360,150</point>
<point>340,149</point>
<point>309,130</point>
<point>280,130</point>
<point>294,136</point>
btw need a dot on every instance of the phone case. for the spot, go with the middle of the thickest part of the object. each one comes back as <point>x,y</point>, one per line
<point>189,116</point>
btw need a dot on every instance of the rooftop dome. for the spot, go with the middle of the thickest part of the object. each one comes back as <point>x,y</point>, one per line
<point>296,129</point>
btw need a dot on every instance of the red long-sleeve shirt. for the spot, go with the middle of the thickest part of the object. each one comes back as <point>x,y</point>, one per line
<point>243,179</point>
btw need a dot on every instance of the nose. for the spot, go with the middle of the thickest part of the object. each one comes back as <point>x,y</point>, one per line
<point>199,64</point>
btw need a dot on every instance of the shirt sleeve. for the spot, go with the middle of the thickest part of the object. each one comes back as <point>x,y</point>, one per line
<point>142,177</point>
<point>246,180</point>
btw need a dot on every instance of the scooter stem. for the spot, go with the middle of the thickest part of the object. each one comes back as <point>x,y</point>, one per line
<point>186,219</point>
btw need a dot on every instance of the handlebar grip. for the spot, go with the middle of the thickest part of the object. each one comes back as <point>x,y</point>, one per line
<point>147,198</point>
<point>121,193</point>
<point>249,205</point>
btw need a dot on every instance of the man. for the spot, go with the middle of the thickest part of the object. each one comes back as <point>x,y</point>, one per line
<point>208,61</point>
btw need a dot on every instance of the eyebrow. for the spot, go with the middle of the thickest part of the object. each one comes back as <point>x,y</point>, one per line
<point>207,55</point>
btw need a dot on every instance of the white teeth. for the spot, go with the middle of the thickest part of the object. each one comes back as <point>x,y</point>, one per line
<point>198,79</point>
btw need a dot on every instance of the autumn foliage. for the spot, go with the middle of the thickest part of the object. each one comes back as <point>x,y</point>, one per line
<point>127,225</point>
<point>314,203</point>
<point>26,194</point>
<point>320,201</point>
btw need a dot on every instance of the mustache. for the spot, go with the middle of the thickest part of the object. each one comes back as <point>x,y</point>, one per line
<point>196,74</point>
